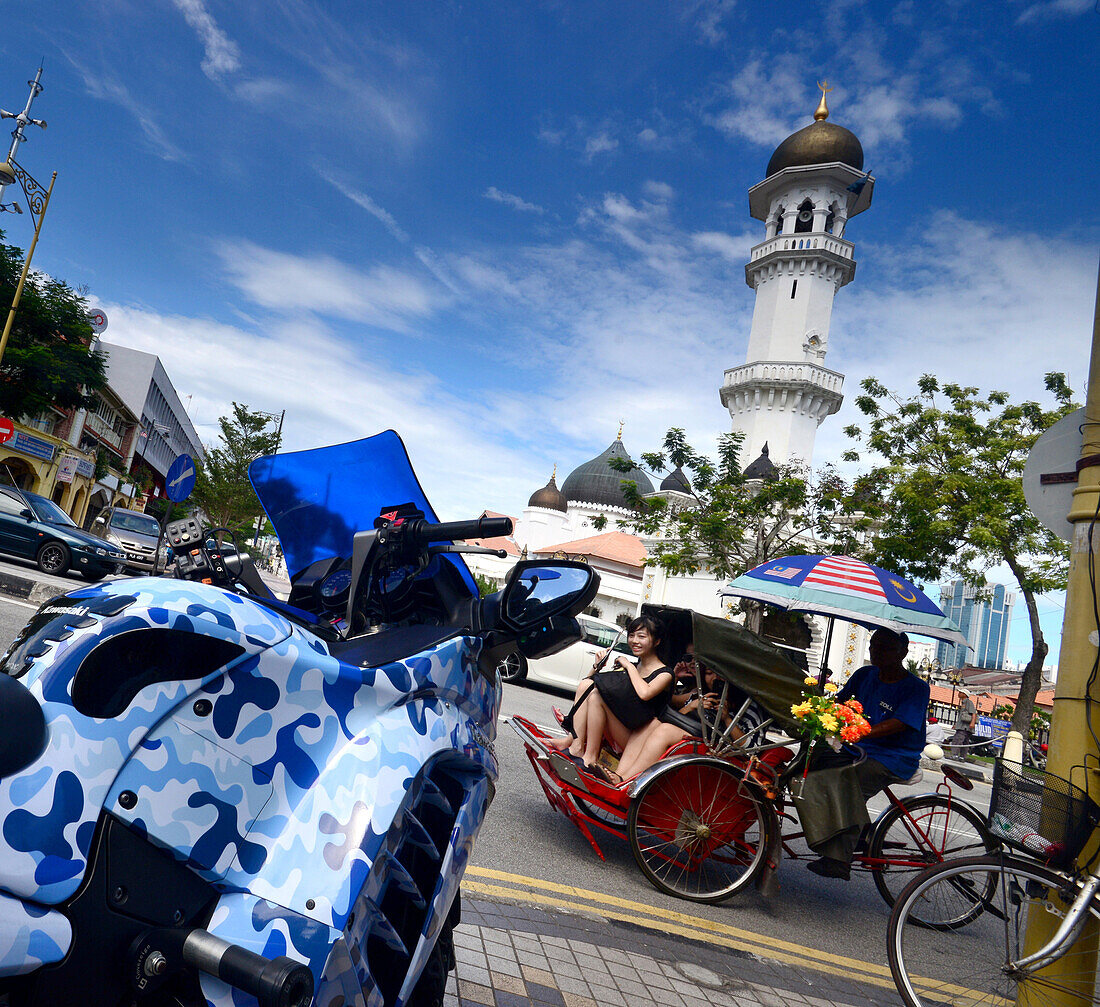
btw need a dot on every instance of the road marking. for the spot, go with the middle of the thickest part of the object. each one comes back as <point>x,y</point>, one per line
<point>21,604</point>
<point>671,921</point>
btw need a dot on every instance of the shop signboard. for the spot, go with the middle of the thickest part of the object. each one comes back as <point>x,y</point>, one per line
<point>993,729</point>
<point>36,447</point>
<point>66,468</point>
<point>85,468</point>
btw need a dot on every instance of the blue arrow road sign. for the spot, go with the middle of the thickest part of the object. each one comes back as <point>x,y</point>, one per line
<point>180,480</point>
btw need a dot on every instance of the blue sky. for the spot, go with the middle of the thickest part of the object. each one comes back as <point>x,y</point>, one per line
<point>501,228</point>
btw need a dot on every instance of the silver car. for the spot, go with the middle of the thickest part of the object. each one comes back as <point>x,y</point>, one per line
<point>567,667</point>
<point>135,533</point>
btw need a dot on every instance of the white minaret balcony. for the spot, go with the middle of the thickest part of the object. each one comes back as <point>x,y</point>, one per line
<point>780,403</point>
<point>820,254</point>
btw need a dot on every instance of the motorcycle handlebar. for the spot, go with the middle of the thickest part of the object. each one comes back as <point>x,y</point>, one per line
<point>448,531</point>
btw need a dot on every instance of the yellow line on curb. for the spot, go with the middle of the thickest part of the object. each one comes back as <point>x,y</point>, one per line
<point>697,928</point>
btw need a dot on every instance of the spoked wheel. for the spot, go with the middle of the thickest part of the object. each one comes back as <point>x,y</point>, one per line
<point>513,668</point>
<point>53,557</point>
<point>938,830</point>
<point>983,906</point>
<point>698,831</point>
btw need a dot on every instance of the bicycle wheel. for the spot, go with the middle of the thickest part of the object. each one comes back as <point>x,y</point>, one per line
<point>699,832</point>
<point>964,963</point>
<point>935,830</point>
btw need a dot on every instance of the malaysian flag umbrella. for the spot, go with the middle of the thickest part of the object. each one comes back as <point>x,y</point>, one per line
<point>848,589</point>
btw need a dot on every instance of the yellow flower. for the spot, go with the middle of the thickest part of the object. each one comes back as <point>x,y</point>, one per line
<point>831,687</point>
<point>800,709</point>
<point>828,722</point>
<point>809,680</point>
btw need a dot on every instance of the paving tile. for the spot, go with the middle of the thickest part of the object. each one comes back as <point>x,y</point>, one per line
<point>467,937</point>
<point>475,992</point>
<point>615,955</point>
<point>592,967</point>
<point>503,966</point>
<point>534,975</point>
<point>668,997</point>
<point>585,948</point>
<point>607,995</point>
<point>569,985</point>
<point>575,1000</point>
<point>558,952</point>
<point>622,971</point>
<point>470,956</point>
<point>632,988</point>
<point>569,968</point>
<point>559,941</point>
<point>545,994</point>
<point>513,984</point>
<point>503,998</point>
<point>474,974</point>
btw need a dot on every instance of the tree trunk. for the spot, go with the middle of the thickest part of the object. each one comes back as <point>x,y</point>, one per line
<point>1032,677</point>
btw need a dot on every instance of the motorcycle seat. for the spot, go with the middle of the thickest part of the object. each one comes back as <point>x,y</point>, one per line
<point>24,736</point>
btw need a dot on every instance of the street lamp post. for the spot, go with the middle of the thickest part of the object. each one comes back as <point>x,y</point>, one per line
<point>38,199</point>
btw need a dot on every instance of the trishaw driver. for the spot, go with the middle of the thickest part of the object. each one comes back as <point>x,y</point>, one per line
<point>833,805</point>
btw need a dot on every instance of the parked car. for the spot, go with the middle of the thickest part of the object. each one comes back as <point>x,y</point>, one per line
<point>567,667</point>
<point>34,527</point>
<point>135,533</point>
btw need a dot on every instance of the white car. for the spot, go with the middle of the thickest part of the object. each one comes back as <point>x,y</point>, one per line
<point>567,667</point>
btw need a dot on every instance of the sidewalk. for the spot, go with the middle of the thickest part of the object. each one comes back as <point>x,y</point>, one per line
<point>517,955</point>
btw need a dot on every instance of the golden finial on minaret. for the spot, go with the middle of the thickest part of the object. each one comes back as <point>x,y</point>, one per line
<point>554,474</point>
<point>619,435</point>
<point>822,109</point>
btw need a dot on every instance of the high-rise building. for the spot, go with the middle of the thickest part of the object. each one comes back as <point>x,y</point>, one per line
<point>983,615</point>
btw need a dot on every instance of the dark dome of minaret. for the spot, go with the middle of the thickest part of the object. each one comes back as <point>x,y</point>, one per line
<point>549,496</point>
<point>821,142</point>
<point>676,480</point>
<point>763,467</point>
<point>596,482</point>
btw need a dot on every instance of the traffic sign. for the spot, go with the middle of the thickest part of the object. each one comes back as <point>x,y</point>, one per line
<point>180,480</point>
<point>1050,474</point>
<point>7,430</point>
<point>97,319</point>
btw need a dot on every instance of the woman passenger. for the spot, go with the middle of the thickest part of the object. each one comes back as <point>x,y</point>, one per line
<point>619,702</point>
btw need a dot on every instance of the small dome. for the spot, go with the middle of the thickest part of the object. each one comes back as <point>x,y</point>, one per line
<point>549,496</point>
<point>596,482</point>
<point>763,467</point>
<point>676,480</point>
<point>820,142</point>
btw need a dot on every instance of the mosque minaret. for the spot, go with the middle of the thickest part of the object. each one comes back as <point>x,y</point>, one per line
<point>815,183</point>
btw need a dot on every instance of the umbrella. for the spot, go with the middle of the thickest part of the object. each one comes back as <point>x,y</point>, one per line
<point>849,589</point>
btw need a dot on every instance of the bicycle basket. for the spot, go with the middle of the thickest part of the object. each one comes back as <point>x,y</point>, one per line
<point>1040,813</point>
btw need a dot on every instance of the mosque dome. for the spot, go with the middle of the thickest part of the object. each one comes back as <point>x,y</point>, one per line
<point>821,142</point>
<point>762,468</point>
<point>676,480</point>
<point>549,497</point>
<point>596,482</point>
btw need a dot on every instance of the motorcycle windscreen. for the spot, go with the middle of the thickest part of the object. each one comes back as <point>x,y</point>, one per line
<point>318,499</point>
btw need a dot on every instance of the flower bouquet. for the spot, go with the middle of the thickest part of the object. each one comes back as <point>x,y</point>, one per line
<point>821,716</point>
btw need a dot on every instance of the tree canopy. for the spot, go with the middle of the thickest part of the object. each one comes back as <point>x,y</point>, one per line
<point>946,495</point>
<point>732,522</point>
<point>47,360</point>
<point>222,488</point>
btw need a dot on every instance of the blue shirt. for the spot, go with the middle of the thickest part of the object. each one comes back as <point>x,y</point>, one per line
<point>906,701</point>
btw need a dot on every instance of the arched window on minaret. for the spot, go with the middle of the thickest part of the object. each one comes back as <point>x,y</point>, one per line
<point>831,218</point>
<point>804,223</point>
<point>779,220</point>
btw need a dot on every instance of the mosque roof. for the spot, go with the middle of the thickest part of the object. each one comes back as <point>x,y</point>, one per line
<point>596,482</point>
<point>676,480</point>
<point>821,142</point>
<point>762,467</point>
<point>549,497</point>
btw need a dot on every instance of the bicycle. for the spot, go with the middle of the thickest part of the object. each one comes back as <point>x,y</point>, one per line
<point>958,932</point>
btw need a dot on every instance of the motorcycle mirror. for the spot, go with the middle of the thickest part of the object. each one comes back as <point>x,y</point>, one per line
<point>538,590</point>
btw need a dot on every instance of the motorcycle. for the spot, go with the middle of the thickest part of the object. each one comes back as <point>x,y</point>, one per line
<point>212,797</point>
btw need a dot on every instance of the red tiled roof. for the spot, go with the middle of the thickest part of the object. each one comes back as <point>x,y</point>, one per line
<point>615,546</point>
<point>986,701</point>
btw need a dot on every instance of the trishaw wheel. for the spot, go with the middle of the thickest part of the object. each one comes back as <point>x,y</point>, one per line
<point>935,830</point>
<point>699,831</point>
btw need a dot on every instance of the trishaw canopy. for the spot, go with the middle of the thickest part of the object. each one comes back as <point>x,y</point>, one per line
<point>738,656</point>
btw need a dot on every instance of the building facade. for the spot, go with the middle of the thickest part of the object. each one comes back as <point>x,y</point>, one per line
<point>983,615</point>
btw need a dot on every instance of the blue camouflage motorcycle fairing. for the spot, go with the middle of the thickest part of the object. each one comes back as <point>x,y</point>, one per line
<point>284,794</point>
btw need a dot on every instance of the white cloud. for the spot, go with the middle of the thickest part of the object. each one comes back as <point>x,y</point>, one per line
<point>708,16</point>
<point>364,201</point>
<point>515,202</point>
<point>1049,9</point>
<point>659,190</point>
<point>601,143</point>
<point>222,55</point>
<point>381,296</point>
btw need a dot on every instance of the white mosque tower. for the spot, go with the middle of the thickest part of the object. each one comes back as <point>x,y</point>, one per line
<point>783,391</point>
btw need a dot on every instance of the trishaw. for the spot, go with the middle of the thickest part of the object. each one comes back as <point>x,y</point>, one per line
<point>707,820</point>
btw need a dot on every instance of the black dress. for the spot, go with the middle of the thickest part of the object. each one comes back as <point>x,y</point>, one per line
<point>619,696</point>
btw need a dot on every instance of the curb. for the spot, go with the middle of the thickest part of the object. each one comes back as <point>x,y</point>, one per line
<point>26,589</point>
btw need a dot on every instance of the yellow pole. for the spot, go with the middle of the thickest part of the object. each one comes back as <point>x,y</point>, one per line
<point>26,270</point>
<point>1072,742</point>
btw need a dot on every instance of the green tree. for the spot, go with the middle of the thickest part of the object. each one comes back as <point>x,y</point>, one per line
<point>733,523</point>
<point>47,360</point>
<point>947,497</point>
<point>222,488</point>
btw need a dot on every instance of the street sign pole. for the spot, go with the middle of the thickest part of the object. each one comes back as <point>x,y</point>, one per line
<point>26,270</point>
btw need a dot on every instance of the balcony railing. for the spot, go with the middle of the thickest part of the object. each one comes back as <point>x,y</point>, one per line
<point>104,431</point>
<point>764,372</point>
<point>821,241</point>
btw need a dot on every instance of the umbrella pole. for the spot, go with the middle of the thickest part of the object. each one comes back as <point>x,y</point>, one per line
<point>825,652</point>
